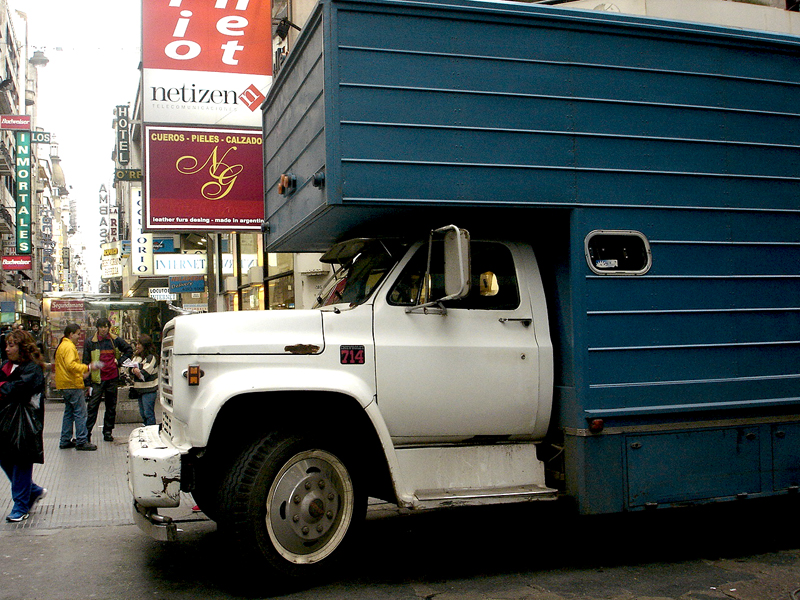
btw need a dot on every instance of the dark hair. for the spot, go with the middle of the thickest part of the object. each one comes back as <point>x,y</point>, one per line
<point>148,346</point>
<point>28,350</point>
<point>71,328</point>
<point>102,322</point>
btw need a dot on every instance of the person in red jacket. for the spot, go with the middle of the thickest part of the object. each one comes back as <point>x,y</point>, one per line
<point>111,351</point>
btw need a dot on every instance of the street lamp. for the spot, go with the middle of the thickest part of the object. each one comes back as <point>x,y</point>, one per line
<point>39,59</point>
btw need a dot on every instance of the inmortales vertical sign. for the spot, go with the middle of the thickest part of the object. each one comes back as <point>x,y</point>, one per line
<point>23,191</point>
<point>206,62</point>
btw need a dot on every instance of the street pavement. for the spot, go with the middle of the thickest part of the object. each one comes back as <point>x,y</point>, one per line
<point>85,489</point>
<point>80,543</point>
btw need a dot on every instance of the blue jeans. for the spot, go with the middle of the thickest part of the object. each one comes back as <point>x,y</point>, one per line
<point>22,486</point>
<point>74,413</point>
<point>147,407</point>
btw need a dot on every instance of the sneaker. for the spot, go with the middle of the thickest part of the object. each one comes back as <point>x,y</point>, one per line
<point>36,498</point>
<point>69,444</point>
<point>16,517</point>
<point>196,508</point>
<point>108,437</point>
<point>87,447</point>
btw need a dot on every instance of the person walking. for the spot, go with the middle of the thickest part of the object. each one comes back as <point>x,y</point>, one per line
<point>70,373</point>
<point>21,421</point>
<point>145,377</point>
<point>105,347</point>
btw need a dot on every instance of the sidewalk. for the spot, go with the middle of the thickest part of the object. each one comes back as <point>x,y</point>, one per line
<point>84,488</point>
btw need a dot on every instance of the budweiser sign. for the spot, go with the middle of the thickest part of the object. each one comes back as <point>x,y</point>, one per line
<point>15,122</point>
<point>17,263</point>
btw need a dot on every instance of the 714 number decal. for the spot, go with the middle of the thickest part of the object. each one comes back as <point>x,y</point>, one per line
<point>351,355</point>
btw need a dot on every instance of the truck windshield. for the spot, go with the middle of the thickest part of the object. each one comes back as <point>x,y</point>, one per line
<point>356,278</point>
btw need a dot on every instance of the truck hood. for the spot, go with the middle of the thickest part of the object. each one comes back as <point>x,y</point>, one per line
<point>248,332</point>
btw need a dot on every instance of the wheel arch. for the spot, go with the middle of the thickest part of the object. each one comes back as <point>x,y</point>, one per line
<point>247,417</point>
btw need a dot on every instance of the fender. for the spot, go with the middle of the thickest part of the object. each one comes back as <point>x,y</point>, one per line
<point>223,382</point>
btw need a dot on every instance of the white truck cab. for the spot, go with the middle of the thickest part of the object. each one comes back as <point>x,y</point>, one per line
<point>425,377</point>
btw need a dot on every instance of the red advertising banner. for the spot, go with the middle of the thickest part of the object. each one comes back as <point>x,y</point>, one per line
<point>203,179</point>
<point>206,63</point>
<point>15,122</point>
<point>17,263</point>
<point>67,306</point>
<point>224,36</point>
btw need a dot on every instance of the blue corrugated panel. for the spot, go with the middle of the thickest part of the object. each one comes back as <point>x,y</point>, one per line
<point>467,103</point>
<point>715,323</point>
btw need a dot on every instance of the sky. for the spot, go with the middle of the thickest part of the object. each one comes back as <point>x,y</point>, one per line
<point>94,52</point>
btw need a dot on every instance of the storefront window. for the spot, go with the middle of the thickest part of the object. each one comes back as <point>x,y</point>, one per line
<point>250,298</point>
<point>281,292</point>
<point>279,264</point>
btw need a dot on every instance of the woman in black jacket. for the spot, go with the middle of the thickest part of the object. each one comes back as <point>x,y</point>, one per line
<point>21,419</point>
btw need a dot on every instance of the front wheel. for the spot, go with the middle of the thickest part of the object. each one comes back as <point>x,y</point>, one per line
<point>294,502</point>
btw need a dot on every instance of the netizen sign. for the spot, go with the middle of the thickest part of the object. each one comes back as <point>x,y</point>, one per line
<point>206,62</point>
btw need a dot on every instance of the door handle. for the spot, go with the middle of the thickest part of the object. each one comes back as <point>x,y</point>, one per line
<point>525,322</point>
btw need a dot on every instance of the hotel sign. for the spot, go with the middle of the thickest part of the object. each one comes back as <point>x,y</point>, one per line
<point>122,126</point>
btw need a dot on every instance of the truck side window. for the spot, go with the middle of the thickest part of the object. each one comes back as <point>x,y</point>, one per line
<point>493,280</point>
<point>618,252</point>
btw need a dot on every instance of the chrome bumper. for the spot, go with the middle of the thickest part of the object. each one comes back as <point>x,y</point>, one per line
<point>158,527</point>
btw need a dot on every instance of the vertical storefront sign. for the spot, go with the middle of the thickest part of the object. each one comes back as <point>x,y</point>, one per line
<point>123,136</point>
<point>141,243</point>
<point>203,179</point>
<point>113,222</point>
<point>104,215</point>
<point>23,191</point>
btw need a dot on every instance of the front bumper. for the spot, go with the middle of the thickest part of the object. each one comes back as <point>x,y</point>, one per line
<point>154,479</point>
<point>157,526</point>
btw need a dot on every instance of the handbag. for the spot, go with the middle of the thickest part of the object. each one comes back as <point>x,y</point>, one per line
<point>20,432</point>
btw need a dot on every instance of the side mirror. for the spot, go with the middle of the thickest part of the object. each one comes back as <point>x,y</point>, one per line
<point>456,270</point>
<point>456,262</point>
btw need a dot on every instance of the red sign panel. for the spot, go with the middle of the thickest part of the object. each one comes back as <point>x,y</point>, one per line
<point>203,179</point>
<point>66,306</point>
<point>15,122</point>
<point>17,263</point>
<point>225,36</point>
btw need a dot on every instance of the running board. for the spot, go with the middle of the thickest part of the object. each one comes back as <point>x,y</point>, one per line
<point>424,499</point>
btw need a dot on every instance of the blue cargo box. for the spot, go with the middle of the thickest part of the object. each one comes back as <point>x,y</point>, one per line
<point>546,124</point>
<point>388,108</point>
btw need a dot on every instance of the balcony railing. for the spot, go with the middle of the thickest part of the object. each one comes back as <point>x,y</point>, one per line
<point>7,167</point>
<point>7,221</point>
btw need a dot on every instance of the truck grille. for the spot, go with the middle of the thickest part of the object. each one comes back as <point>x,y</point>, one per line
<point>167,342</point>
<point>166,424</point>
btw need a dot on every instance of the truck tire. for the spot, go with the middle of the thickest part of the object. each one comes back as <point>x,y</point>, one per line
<point>295,503</point>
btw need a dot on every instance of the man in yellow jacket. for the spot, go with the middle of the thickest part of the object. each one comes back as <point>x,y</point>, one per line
<point>70,373</point>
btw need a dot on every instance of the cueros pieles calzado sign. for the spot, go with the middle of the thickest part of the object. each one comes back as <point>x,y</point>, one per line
<point>203,179</point>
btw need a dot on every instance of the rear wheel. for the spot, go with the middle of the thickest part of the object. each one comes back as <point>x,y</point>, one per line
<point>295,502</point>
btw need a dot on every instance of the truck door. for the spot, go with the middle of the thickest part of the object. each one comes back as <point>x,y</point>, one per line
<point>478,369</point>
